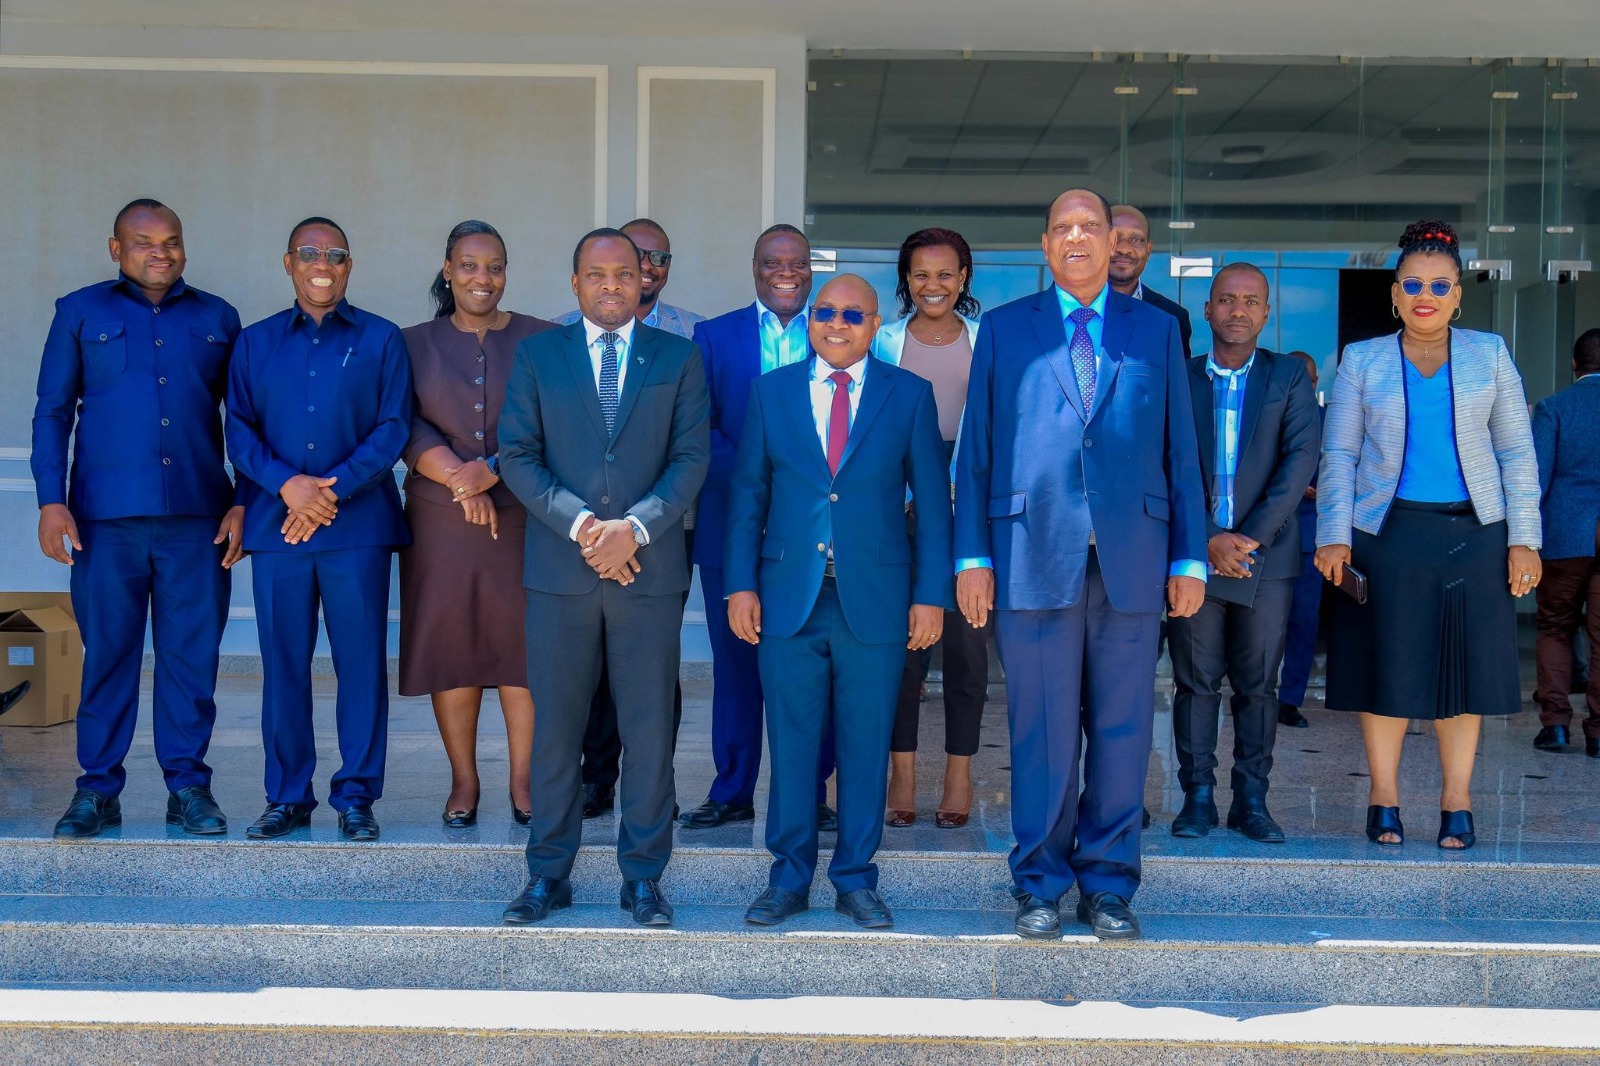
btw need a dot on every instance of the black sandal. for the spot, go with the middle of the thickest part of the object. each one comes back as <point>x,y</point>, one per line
<point>1456,824</point>
<point>1381,820</point>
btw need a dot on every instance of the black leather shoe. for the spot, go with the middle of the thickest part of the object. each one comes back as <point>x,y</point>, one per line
<point>827,819</point>
<point>1146,823</point>
<point>358,823</point>
<point>597,800</point>
<point>520,816</point>
<point>195,808</point>
<point>1289,715</point>
<point>1553,738</point>
<point>1037,918</point>
<point>711,814</point>
<point>280,819</point>
<point>645,900</point>
<point>539,897</point>
<point>775,905</point>
<point>1109,916</point>
<point>864,907</point>
<point>1199,813</point>
<point>1249,816</point>
<point>13,696</point>
<point>89,814</point>
<point>461,819</point>
<point>1591,747</point>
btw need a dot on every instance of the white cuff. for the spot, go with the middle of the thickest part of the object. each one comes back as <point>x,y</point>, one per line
<point>577,524</point>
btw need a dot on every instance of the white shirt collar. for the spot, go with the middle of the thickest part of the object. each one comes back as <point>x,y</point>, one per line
<point>1138,290</point>
<point>821,370</point>
<point>592,332</point>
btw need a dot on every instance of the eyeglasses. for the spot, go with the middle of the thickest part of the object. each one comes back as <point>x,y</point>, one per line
<point>655,259</point>
<point>851,315</point>
<point>1440,287</point>
<point>335,256</point>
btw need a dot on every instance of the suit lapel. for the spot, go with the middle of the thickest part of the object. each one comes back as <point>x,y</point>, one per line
<point>1205,421</point>
<point>752,348</point>
<point>1255,396</point>
<point>875,389</point>
<point>1052,334</point>
<point>583,376</point>
<point>639,356</point>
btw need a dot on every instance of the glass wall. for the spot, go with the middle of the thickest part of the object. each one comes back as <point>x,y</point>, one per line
<point>1307,167</point>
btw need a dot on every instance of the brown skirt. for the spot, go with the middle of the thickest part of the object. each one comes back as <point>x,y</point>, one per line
<point>461,601</point>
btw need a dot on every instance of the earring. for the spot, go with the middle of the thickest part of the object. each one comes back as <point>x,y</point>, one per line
<point>1394,311</point>
<point>1457,314</point>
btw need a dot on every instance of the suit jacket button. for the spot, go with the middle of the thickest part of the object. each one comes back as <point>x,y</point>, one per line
<point>610,458</point>
<point>166,462</point>
<point>1088,442</point>
<point>605,499</point>
<point>822,547</point>
<point>833,497</point>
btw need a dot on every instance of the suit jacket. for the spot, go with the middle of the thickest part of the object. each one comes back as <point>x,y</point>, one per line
<point>890,341</point>
<point>558,460</point>
<point>1364,438</point>
<point>731,344</point>
<point>1177,311</point>
<point>675,320</point>
<point>786,508</point>
<point>1566,436</point>
<point>1280,437</point>
<point>1034,475</point>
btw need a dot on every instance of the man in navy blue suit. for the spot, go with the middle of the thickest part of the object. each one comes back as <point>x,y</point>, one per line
<point>825,582</point>
<point>1078,502</point>
<point>739,347</point>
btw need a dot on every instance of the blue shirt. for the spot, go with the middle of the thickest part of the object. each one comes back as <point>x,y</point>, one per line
<point>332,400</point>
<point>1432,469</point>
<point>780,344</point>
<point>143,384</point>
<point>1227,410</point>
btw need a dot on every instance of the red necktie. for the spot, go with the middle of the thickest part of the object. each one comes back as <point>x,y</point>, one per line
<point>838,419</point>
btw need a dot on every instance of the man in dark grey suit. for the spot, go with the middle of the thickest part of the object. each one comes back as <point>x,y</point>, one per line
<point>604,439</point>
<point>1130,252</point>
<point>1256,420</point>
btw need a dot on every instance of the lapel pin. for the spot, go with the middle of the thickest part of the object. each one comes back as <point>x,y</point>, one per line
<point>639,359</point>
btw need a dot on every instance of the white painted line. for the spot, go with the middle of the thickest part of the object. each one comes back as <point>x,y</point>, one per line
<point>804,1016</point>
<point>1461,945</point>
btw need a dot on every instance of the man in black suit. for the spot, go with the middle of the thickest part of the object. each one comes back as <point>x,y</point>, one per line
<point>1130,230</point>
<point>1256,420</point>
<point>604,439</point>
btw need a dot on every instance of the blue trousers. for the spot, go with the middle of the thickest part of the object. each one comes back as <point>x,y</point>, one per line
<point>824,675</point>
<point>352,588</point>
<point>164,570</point>
<point>1300,642</point>
<point>1081,677</point>
<point>736,703</point>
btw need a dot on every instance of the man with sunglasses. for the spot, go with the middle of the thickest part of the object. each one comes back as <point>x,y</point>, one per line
<point>136,368</point>
<point>827,585</point>
<point>319,410</point>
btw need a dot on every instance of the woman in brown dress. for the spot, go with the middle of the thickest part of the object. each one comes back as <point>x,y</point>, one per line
<point>461,600</point>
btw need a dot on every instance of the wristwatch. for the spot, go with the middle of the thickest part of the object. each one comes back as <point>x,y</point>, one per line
<point>493,463</point>
<point>639,536</point>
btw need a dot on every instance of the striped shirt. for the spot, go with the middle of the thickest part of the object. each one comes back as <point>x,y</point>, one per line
<point>1227,412</point>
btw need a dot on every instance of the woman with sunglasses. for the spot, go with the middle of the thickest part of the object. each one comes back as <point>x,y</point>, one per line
<point>461,602</point>
<point>935,342</point>
<point>1429,488</point>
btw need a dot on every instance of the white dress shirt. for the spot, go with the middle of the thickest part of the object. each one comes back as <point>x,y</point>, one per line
<point>822,394</point>
<point>597,349</point>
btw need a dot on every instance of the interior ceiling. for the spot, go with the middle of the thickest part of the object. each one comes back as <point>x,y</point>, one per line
<point>1538,28</point>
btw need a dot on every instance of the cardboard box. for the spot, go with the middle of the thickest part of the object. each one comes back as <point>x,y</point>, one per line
<point>39,642</point>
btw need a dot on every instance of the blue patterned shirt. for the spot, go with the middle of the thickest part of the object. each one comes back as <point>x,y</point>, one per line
<point>1227,412</point>
<point>783,344</point>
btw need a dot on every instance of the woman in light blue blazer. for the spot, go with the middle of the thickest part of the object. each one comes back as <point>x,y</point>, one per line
<point>933,338</point>
<point>1429,487</point>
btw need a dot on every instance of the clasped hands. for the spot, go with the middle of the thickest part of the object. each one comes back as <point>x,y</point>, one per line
<point>925,625</point>
<point>469,485</point>
<point>609,548</point>
<point>312,503</point>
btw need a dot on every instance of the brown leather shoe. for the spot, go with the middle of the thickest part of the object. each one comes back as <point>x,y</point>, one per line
<point>950,819</point>
<point>898,819</point>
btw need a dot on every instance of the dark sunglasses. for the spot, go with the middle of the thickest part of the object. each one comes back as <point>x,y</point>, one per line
<point>335,256</point>
<point>655,259</point>
<point>851,315</point>
<point>1440,287</point>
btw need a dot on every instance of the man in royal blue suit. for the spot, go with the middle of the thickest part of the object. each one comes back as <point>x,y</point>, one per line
<point>1078,501</point>
<point>824,580</point>
<point>739,347</point>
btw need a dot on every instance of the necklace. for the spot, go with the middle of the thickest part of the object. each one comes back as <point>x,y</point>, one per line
<point>1427,349</point>
<point>937,336</point>
<point>500,319</point>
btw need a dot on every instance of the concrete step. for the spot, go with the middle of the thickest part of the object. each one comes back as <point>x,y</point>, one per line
<point>308,1027</point>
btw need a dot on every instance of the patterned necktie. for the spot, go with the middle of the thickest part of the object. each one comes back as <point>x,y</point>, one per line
<point>1082,352</point>
<point>838,419</point>
<point>608,381</point>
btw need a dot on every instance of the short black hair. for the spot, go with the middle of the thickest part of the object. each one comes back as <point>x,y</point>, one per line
<point>1586,352</point>
<point>597,234</point>
<point>144,203</point>
<point>1237,268</point>
<point>773,231</point>
<point>644,223</point>
<point>318,220</point>
<point>1104,203</point>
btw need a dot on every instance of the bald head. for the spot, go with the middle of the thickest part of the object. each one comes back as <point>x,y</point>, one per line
<point>836,340</point>
<point>849,290</point>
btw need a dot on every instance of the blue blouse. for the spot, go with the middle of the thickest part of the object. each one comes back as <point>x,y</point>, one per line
<point>1432,470</point>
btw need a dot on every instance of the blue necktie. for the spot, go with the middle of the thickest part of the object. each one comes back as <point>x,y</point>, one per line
<point>1082,352</point>
<point>608,381</point>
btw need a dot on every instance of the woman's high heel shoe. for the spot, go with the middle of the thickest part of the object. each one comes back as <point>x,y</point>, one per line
<point>1381,820</point>
<point>950,819</point>
<point>521,816</point>
<point>461,819</point>
<point>1456,824</point>
<point>896,818</point>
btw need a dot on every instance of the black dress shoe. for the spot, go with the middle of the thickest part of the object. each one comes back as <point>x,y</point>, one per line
<point>539,897</point>
<point>89,814</point>
<point>711,814</point>
<point>461,819</point>
<point>864,907</point>
<point>1199,813</point>
<point>1109,916</point>
<point>358,823</point>
<point>1553,738</point>
<point>827,819</point>
<point>13,696</point>
<point>1249,816</point>
<point>1146,824</point>
<point>280,819</point>
<point>1037,918</point>
<point>196,810</point>
<point>598,800</point>
<point>1289,715</point>
<point>645,900</point>
<point>1591,747</point>
<point>775,905</point>
<point>518,815</point>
